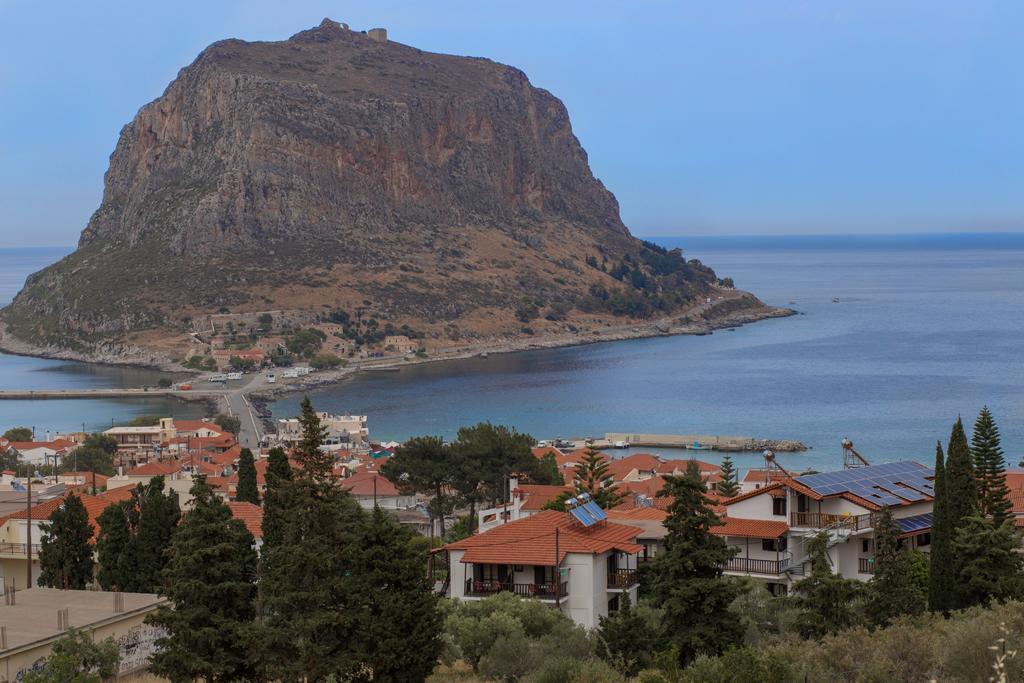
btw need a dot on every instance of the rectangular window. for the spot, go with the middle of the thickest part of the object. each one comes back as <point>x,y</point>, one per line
<point>779,507</point>
<point>865,545</point>
<point>924,540</point>
<point>773,544</point>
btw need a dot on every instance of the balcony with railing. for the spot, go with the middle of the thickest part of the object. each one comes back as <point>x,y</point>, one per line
<point>481,588</point>
<point>622,578</point>
<point>753,566</point>
<point>18,549</point>
<point>822,520</point>
<point>866,565</point>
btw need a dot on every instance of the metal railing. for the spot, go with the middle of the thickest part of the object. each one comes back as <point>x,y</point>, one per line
<point>866,565</point>
<point>823,520</point>
<point>622,578</point>
<point>751,566</point>
<point>18,548</point>
<point>479,587</point>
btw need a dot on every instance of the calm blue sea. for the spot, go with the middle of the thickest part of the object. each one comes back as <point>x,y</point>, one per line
<point>926,328</point>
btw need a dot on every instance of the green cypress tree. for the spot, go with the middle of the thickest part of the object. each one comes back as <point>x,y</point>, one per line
<point>990,469</point>
<point>961,503</point>
<point>247,491</point>
<point>989,565</point>
<point>728,486</point>
<point>960,483</point>
<point>827,601</point>
<point>210,582</point>
<point>65,558</point>
<point>893,589</point>
<point>398,636</point>
<point>309,608</point>
<point>686,577</point>
<point>279,474</point>
<point>627,638</point>
<point>159,513</point>
<point>114,546</point>
<point>940,577</point>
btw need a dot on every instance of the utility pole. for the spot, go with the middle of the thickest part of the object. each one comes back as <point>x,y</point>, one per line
<point>28,536</point>
<point>374,490</point>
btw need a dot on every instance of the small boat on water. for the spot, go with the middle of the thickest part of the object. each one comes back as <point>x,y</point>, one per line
<point>792,302</point>
<point>835,299</point>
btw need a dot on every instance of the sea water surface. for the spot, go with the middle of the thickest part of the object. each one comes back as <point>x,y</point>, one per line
<point>926,328</point>
<point>21,372</point>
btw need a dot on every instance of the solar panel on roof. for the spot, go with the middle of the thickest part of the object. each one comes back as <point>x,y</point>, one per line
<point>582,516</point>
<point>595,511</point>
<point>916,523</point>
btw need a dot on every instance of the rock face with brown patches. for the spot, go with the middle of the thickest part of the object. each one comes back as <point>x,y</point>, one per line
<point>335,171</point>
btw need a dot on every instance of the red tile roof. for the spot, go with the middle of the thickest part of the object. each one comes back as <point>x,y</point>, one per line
<point>250,514</point>
<point>626,513</point>
<point>536,496</point>
<point>57,445</point>
<point>94,506</point>
<point>750,528</point>
<point>362,484</point>
<point>532,540</point>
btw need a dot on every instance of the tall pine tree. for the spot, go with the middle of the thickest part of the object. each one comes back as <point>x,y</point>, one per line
<point>728,486</point>
<point>592,477</point>
<point>247,491</point>
<point>989,563</point>
<point>307,600</point>
<point>279,475</point>
<point>827,600</point>
<point>686,577</point>
<point>398,637</point>
<point>893,589</point>
<point>159,513</point>
<point>211,584</point>
<point>940,573</point>
<point>114,546</point>
<point>65,558</point>
<point>990,469</point>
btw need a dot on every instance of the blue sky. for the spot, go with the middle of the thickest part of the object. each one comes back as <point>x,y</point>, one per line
<point>719,117</point>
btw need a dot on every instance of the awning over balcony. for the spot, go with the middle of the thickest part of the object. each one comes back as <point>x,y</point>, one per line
<point>750,528</point>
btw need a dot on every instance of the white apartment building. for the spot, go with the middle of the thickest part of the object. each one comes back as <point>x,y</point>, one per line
<point>549,556</point>
<point>770,526</point>
<point>343,431</point>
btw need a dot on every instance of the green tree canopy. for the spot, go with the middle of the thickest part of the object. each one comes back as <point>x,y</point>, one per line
<point>279,473</point>
<point>728,486</point>
<point>229,423</point>
<point>89,459</point>
<point>627,638</point>
<point>686,577</point>
<point>210,581</point>
<point>961,502</point>
<point>990,469</point>
<point>65,558</point>
<point>248,490</point>
<point>77,658</point>
<point>18,434</point>
<point>827,600</point>
<point>592,477</point>
<point>940,573</point>
<point>894,589</point>
<point>398,636</point>
<point>424,464</point>
<point>989,562</point>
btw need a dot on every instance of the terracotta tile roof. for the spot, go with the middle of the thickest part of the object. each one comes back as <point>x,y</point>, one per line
<point>637,513</point>
<point>762,476</point>
<point>540,452</point>
<point>362,483</point>
<point>250,514</point>
<point>197,425</point>
<point>680,466</point>
<point>536,496</point>
<point>118,494</point>
<point>532,540</point>
<point>57,445</point>
<point>94,506</point>
<point>750,528</point>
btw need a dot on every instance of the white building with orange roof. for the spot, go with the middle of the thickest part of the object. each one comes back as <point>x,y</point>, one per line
<point>551,557</point>
<point>14,536</point>
<point>42,452</point>
<point>771,526</point>
<point>371,488</point>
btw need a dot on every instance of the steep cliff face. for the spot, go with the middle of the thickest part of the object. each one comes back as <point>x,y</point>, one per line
<point>333,171</point>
